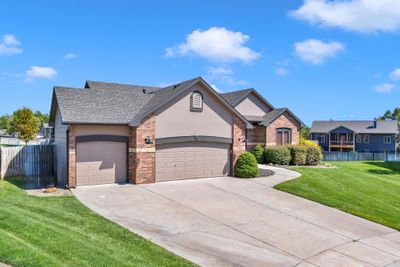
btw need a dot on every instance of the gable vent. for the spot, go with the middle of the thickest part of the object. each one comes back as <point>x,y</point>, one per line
<point>196,101</point>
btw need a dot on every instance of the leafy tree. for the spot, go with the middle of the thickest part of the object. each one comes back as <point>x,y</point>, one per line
<point>43,117</point>
<point>304,133</point>
<point>396,114</point>
<point>25,123</point>
<point>387,115</point>
<point>5,121</point>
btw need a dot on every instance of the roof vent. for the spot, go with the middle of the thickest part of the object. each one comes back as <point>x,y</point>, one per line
<point>144,90</point>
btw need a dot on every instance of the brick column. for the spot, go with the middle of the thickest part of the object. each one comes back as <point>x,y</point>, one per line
<point>142,158</point>
<point>238,140</point>
<point>71,157</point>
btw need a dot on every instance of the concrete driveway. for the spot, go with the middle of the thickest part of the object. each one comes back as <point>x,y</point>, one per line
<point>237,222</point>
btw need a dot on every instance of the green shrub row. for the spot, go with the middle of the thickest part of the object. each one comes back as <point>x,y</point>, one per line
<point>292,154</point>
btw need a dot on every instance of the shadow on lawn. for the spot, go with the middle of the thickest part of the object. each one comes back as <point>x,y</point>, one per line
<point>387,167</point>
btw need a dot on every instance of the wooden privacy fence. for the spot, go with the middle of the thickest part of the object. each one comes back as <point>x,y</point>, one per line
<point>359,156</point>
<point>32,161</point>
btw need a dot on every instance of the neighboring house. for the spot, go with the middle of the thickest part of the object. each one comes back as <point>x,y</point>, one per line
<point>45,131</point>
<point>360,136</point>
<point>117,133</point>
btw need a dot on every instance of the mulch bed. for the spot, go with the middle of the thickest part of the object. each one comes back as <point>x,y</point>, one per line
<point>265,173</point>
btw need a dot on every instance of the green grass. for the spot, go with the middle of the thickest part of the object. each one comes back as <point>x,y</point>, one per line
<point>367,189</point>
<point>60,231</point>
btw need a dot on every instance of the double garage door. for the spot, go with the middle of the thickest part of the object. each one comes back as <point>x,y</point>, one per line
<point>191,160</point>
<point>103,162</point>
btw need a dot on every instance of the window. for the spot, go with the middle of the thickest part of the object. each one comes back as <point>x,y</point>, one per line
<point>321,138</point>
<point>196,102</point>
<point>359,138</point>
<point>387,139</point>
<point>366,138</point>
<point>283,136</point>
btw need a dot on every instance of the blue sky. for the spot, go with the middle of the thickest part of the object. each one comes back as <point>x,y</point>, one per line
<point>341,64</point>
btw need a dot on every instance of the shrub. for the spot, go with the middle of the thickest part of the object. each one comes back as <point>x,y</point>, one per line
<point>314,155</point>
<point>246,166</point>
<point>308,143</point>
<point>277,155</point>
<point>298,154</point>
<point>258,152</point>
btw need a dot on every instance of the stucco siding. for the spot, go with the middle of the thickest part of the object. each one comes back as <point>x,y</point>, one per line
<point>101,130</point>
<point>252,106</point>
<point>60,139</point>
<point>177,119</point>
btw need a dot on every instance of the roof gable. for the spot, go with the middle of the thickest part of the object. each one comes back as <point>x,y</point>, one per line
<point>235,98</point>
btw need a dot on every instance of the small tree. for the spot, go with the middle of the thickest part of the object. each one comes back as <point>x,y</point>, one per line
<point>25,123</point>
<point>5,121</point>
<point>43,117</point>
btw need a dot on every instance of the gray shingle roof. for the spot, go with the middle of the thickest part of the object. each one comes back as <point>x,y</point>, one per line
<point>119,86</point>
<point>385,127</point>
<point>234,98</point>
<point>110,103</point>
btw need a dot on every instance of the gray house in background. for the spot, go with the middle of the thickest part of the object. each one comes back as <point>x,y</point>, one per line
<point>360,136</point>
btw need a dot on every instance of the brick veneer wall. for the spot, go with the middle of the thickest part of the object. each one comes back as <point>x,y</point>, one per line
<point>283,121</point>
<point>71,157</point>
<point>142,161</point>
<point>238,140</point>
<point>256,136</point>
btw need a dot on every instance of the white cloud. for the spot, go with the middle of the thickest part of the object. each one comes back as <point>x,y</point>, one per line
<point>10,45</point>
<point>219,71</point>
<point>384,88</point>
<point>215,44</point>
<point>281,71</point>
<point>12,74</point>
<point>395,74</point>
<point>316,51</point>
<point>36,72</point>
<point>69,56</point>
<point>216,88</point>
<point>353,15</point>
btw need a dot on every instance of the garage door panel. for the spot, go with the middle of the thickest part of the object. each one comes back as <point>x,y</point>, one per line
<point>101,162</point>
<point>191,160</point>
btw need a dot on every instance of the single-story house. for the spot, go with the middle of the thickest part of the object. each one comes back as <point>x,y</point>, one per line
<point>360,136</point>
<point>117,133</point>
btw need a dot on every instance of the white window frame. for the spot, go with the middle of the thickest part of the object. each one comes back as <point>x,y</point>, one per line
<point>385,138</point>
<point>366,138</point>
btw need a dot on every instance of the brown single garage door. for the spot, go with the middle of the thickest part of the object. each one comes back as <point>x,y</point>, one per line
<point>191,160</point>
<point>101,162</point>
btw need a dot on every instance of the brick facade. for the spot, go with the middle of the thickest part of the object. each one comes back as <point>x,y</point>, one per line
<point>283,121</point>
<point>71,157</point>
<point>238,140</point>
<point>142,158</point>
<point>256,136</point>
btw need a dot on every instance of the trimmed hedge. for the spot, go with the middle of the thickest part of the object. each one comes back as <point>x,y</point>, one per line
<point>246,166</point>
<point>293,154</point>
<point>314,155</point>
<point>298,155</point>
<point>277,155</point>
<point>258,152</point>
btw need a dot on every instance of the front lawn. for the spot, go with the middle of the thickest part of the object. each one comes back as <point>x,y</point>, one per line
<point>60,231</point>
<point>367,189</point>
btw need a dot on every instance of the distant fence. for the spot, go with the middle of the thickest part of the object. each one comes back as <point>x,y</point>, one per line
<point>359,156</point>
<point>12,141</point>
<point>34,161</point>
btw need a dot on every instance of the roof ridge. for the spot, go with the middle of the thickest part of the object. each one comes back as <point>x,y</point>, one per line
<point>124,84</point>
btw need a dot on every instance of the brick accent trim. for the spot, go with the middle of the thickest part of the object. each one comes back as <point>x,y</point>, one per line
<point>142,158</point>
<point>283,121</point>
<point>71,157</point>
<point>238,140</point>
